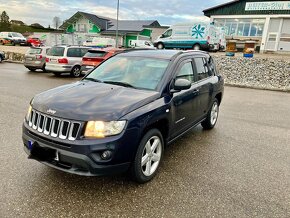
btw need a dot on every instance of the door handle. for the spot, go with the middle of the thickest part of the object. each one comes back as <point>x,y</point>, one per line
<point>195,92</point>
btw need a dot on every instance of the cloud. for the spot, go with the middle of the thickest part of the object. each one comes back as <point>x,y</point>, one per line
<point>165,11</point>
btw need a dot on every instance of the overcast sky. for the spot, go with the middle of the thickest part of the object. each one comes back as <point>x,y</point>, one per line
<point>167,12</point>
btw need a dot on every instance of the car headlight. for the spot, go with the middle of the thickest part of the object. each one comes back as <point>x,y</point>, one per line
<point>100,129</point>
<point>28,112</point>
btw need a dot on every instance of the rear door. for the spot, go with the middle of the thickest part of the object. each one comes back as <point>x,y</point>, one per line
<point>204,85</point>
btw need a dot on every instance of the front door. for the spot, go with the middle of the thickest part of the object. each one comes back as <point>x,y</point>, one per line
<point>184,102</point>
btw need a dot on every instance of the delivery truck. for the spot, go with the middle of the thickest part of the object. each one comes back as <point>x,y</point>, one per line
<point>197,36</point>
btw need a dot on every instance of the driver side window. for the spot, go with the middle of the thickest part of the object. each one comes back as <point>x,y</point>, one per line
<point>168,33</point>
<point>186,72</point>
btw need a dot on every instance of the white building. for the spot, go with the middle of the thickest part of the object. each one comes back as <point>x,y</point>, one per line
<point>267,22</point>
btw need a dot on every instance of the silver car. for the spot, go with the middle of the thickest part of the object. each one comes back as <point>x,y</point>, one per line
<point>65,59</point>
<point>35,58</point>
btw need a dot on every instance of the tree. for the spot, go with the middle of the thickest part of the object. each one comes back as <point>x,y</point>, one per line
<point>56,22</point>
<point>4,22</point>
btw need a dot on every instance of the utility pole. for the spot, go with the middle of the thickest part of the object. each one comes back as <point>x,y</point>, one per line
<point>117,29</point>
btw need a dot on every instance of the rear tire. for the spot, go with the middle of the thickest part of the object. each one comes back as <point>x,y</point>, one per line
<point>212,116</point>
<point>76,71</point>
<point>43,68</point>
<point>1,59</point>
<point>196,47</point>
<point>148,156</point>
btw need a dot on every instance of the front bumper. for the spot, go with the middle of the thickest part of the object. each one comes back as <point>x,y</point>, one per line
<point>86,69</point>
<point>81,157</point>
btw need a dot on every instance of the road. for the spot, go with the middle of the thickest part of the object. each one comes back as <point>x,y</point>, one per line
<point>239,169</point>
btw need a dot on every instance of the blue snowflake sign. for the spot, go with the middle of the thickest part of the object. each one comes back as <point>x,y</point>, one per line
<point>198,31</point>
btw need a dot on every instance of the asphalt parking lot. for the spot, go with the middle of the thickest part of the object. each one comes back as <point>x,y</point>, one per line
<point>239,169</point>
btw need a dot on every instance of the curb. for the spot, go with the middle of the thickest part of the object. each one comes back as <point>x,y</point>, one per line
<point>257,87</point>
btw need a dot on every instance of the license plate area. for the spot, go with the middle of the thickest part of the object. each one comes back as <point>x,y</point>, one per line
<point>44,153</point>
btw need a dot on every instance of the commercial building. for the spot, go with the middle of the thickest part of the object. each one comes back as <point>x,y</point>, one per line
<point>266,22</point>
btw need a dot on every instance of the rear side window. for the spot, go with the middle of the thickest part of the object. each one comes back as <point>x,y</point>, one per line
<point>56,51</point>
<point>201,68</point>
<point>34,51</point>
<point>95,54</point>
<point>76,52</point>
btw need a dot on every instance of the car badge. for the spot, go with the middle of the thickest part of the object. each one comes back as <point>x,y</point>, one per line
<point>50,111</point>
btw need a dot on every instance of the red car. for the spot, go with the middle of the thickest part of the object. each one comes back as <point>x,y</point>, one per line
<point>96,56</point>
<point>33,41</point>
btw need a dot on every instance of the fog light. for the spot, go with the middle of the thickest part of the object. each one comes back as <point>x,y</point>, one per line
<point>106,155</point>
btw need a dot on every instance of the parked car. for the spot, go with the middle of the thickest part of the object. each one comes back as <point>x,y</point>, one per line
<point>123,114</point>
<point>65,59</point>
<point>34,41</point>
<point>13,38</point>
<point>96,56</point>
<point>197,35</point>
<point>2,56</point>
<point>35,58</point>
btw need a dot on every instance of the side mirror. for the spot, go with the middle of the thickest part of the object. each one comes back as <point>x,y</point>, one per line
<point>181,84</point>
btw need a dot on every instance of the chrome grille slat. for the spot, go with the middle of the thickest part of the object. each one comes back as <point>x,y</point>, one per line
<point>55,127</point>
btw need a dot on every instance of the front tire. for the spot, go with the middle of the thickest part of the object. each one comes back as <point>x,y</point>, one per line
<point>212,116</point>
<point>1,59</point>
<point>76,71</point>
<point>148,156</point>
<point>160,45</point>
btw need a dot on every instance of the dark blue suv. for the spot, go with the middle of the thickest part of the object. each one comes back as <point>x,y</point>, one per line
<point>123,114</point>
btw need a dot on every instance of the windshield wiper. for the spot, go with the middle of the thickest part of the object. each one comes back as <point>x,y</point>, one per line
<point>93,79</point>
<point>120,84</point>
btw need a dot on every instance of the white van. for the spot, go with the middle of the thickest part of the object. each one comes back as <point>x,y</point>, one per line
<point>140,44</point>
<point>197,36</point>
<point>13,38</point>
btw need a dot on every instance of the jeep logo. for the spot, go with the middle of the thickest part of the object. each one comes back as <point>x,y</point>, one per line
<point>50,111</point>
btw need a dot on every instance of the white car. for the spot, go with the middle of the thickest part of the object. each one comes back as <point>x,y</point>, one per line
<point>140,44</point>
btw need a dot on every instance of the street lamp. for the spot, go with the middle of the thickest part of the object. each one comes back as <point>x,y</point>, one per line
<point>117,29</point>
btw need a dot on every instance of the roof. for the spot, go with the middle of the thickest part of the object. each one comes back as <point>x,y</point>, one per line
<point>221,5</point>
<point>156,53</point>
<point>102,22</point>
<point>132,25</point>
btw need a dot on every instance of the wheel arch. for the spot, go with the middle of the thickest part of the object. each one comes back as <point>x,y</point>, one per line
<point>162,125</point>
<point>219,96</point>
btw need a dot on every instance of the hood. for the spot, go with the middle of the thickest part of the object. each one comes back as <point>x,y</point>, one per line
<point>86,100</point>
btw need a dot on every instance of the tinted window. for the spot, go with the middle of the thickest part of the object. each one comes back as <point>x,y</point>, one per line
<point>47,50</point>
<point>34,51</point>
<point>74,52</point>
<point>56,51</point>
<point>83,51</point>
<point>201,68</point>
<point>95,54</point>
<point>186,72</point>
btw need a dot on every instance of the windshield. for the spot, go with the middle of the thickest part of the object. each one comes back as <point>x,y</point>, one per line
<point>137,72</point>
<point>56,51</point>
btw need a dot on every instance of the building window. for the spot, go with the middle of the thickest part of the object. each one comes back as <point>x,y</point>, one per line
<point>241,27</point>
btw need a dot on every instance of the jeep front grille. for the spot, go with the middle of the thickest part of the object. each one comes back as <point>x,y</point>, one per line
<point>55,127</point>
